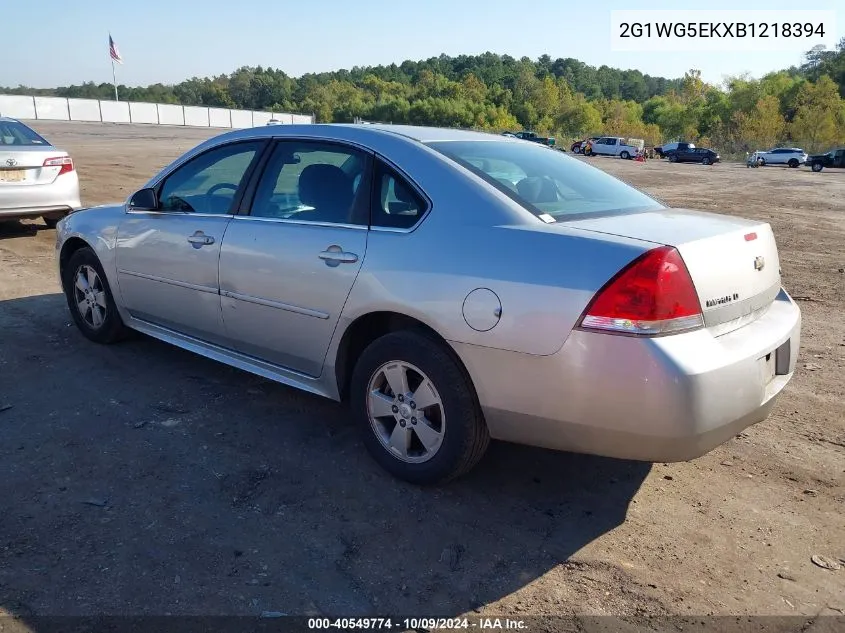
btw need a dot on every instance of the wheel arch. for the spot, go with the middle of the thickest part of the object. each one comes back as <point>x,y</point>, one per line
<point>367,328</point>
<point>71,246</point>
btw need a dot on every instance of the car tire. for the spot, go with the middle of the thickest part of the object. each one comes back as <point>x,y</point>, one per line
<point>706,160</point>
<point>455,437</point>
<point>94,312</point>
<point>817,167</point>
<point>673,158</point>
<point>793,162</point>
<point>625,155</point>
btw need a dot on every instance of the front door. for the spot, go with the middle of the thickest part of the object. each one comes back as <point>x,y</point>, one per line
<point>288,266</point>
<point>167,258</point>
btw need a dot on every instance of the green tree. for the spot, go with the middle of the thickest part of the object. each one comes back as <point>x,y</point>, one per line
<point>818,114</point>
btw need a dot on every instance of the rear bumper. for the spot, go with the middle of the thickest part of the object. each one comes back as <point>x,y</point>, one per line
<point>60,196</point>
<point>659,400</point>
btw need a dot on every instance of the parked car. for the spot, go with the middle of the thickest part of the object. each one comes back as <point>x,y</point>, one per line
<point>613,146</point>
<point>578,146</point>
<point>665,150</point>
<point>694,155</point>
<point>792,156</point>
<point>36,179</point>
<point>586,317</point>
<point>834,158</point>
<point>531,136</point>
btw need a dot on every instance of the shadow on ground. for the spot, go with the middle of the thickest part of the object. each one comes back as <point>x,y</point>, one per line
<point>142,479</point>
<point>17,228</point>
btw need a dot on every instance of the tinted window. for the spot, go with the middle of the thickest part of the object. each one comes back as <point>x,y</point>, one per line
<point>315,182</point>
<point>14,133</point>
<point>545,181</point>
<point>396,205</point>
<point>209,182</point>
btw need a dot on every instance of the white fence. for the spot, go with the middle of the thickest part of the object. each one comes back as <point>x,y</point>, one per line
<point>61,109</point>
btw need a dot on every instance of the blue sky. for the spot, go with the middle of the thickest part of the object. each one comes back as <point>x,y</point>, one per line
<point>46,44</point>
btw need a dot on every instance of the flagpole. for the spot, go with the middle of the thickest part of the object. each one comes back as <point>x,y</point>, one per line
<point>114,79</point>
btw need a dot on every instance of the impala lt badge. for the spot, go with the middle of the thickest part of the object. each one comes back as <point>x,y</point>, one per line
<point>759,263</point>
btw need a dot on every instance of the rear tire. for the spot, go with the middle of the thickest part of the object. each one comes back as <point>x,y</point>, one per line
<point>793,162</point>
<point>427,443</point>
<point>90,300</point>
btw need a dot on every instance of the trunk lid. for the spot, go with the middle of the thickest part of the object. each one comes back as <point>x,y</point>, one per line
<point>24,165</point>
<point>733,262</point>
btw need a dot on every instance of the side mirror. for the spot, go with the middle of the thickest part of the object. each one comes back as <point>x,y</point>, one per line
<point>144,200</point>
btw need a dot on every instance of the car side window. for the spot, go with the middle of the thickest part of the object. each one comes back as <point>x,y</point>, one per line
<point>395,203</point>
<point>209,182</point>
<point>313,182</point>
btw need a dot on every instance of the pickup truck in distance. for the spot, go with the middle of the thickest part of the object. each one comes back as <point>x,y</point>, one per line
<point>664,151</point>
<point>613,146</point>
<point>834,158</point>
<point>531,136</point>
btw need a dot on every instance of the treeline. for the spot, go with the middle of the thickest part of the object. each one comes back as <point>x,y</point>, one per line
<point>563,97</point>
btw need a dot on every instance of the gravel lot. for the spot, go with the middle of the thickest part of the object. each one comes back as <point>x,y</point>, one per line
<point>141,479</point>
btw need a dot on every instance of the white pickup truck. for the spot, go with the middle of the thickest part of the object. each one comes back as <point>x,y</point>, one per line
<point>615,146</point>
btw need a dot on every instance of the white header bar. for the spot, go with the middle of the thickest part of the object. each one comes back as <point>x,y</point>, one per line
<point>703,30</point>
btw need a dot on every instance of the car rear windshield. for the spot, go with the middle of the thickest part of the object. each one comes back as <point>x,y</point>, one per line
<point>14,133</point>
<point>547,182</point>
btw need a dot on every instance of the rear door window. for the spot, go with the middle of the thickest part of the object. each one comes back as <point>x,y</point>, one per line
<point>396,204</point>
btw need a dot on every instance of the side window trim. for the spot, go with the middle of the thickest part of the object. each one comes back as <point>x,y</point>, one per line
<point>236,201</point>
<point>251,188</point>
<point>382,162</point>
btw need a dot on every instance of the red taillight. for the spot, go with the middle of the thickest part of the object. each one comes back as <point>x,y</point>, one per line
<point>65,162</point>
<point>654,294</point>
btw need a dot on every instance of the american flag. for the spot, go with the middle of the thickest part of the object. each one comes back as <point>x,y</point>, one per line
<point>113,52</point>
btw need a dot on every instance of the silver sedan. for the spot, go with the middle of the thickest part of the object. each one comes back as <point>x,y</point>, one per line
<point>36,179</point>
<point>452,286</point>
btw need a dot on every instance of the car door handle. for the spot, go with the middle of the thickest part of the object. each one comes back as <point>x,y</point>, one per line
<point>200,239</point>
<point>335,255</point>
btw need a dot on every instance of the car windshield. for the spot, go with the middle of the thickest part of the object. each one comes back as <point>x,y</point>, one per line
<point>550,184</point>
<point>14,133</point>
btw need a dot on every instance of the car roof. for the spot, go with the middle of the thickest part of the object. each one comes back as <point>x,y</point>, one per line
<point>8,119</point>
<point>422,134</point>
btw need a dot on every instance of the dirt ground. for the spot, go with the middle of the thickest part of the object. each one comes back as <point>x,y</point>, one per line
<point>142,479</point>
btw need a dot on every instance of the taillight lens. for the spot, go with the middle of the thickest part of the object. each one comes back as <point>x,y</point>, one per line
<point>653,295</point>
<point>65,162</point>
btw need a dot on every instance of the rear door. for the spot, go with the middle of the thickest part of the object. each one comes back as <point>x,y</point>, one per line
<point>603,146</point>
<point>167,257</point>
<point>288,264</point>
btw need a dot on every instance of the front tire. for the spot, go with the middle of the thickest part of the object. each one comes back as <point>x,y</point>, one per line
<point>624,155</point>
<point>90,300</point>
<point>673,158</point>
<point>417,409</point>
<point>705,161</point>
<point>817,167</point>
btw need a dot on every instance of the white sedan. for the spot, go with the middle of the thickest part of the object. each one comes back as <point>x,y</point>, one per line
<point>36,179</point>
